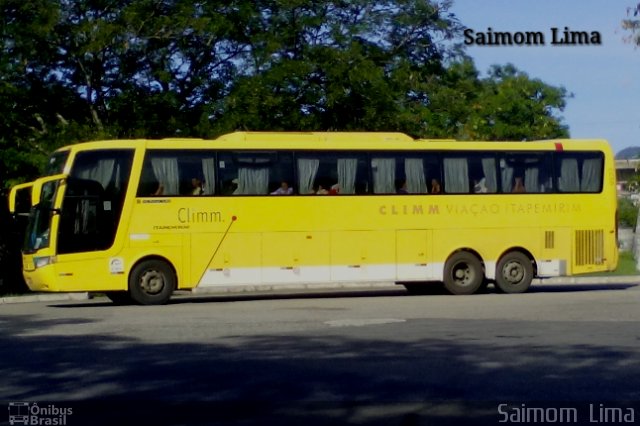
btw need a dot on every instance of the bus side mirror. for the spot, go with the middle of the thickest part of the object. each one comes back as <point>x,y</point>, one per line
<point>45,190</point>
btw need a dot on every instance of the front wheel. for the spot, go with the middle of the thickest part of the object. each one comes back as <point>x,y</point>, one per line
<point>514,273</point>
<point>152,282</point>
<point>463,273</point>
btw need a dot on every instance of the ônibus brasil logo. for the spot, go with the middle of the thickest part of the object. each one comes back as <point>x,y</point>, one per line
<point>30,413</point>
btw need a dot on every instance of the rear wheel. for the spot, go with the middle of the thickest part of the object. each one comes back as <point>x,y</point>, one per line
<point>152,282</point>
<point>463,273</point>
<point>514,273</point>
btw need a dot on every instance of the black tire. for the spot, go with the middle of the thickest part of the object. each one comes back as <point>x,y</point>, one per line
<point>119,297</point>
<point>152,282</point>
<point>463,273</point>
<point>514,273</point>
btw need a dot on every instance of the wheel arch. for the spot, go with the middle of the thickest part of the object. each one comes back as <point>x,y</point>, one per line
<point>468,250</point>
<point>154,257</point>
<point>463,272</point>
<point>523,251</point>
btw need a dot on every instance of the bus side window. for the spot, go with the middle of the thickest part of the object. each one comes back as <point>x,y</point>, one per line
<point>148,183</point>
<point>526,172</point>
<point>197,173</point>
<point>281,172</point>
<point>177,173</point>
<point>579,171</point>
<point>333,173</point>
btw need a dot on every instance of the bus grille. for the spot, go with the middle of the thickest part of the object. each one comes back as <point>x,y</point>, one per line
<point>589,247</point>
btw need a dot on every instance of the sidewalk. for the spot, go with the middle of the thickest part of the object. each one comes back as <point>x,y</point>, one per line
<point>56,297</point>
<point>44,297</point>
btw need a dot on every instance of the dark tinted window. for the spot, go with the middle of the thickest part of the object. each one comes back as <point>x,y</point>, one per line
<point>56,163</point>
<point>404,173</point>
<point>579,171</point>
<point>336,173</point>
<point>256,173</point>
<point>466,173</point>
<point>526,172</point>
<point>178,173</point>
<point>93,200</point>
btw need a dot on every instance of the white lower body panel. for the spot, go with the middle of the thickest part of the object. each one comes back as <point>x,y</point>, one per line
<point>346,273</point>
<point>320,274</point>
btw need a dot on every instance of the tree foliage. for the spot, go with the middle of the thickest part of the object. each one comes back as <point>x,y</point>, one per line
<point>632,24</point>
<point>91,69</point>
<point>627,213</point>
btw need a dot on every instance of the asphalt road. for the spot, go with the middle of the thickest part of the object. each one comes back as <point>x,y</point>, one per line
<point>335,357</point>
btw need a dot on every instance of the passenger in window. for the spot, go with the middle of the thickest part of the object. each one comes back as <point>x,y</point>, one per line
<point>401,186</point>
<point>284,189</point>
<point>518,185</point>
<point>321,190</point>
<point>159,190</point>
<point>335,189</point>
<point>197,186</point>
<point>480,186</point>
<point>435,186</point>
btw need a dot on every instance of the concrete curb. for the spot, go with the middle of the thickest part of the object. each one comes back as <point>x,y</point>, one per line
<point>609,279</point>
<point>44,297</point>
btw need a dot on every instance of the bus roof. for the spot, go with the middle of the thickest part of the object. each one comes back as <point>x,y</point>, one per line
<point>341,140</point>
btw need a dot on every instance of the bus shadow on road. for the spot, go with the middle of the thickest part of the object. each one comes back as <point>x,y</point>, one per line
<point>286,295</point>
<point>435,290</point>
<point>183,298</point>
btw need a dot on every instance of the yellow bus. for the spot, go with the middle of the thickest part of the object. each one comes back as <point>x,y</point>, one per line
<point>138,219</point>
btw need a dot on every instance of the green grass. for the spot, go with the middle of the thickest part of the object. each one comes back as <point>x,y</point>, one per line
<point>626,266</point>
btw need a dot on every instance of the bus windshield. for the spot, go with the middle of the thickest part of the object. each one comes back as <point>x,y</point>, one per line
<point>38,229</point>
<point>56,163</point>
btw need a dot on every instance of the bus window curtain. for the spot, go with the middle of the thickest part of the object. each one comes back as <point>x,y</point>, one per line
<point>531,179</point>
<point>569,180</point>
<point>209,174</point>
<point>252,181</point>
<point>489,170</point>
<point>347,168</point>
<point>506,175</point>
<point>414,171</point>
<point>384,175</point>
<point>102,172</point>
<point>117,180</point>
<point>456,175</point>
<point>166,172</point>
<point>591,175</point>
<point>307,171</point>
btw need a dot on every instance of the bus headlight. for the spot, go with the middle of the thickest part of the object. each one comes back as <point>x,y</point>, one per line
<point>40,262</point>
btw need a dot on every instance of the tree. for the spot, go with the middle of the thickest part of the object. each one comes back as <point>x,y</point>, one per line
<point>82,70</point>
<point>627,212</point>
<point>632,24</point>
<point>37,110</point>
<point>340,65</point>
<point>505,105</point>
<point>511,106</point>
<point>89,69</point>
